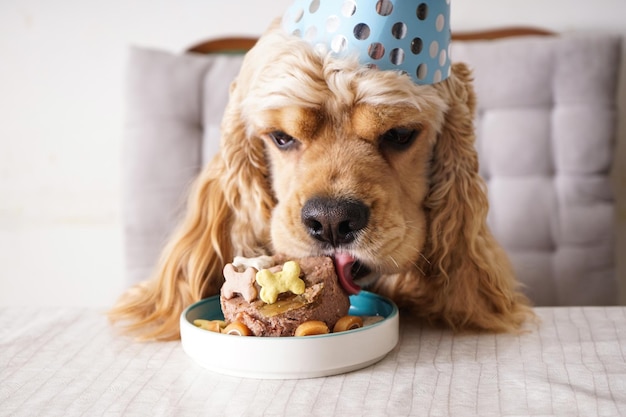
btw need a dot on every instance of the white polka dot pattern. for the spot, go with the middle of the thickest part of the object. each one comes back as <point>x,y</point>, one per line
<point>410,36</point>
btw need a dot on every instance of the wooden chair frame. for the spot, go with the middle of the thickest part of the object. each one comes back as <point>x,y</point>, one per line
<point>244,44</point>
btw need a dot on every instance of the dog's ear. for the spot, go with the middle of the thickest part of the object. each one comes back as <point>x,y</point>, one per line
<point>189,268</point>
<point>476,285</point>
<point>227,215</point>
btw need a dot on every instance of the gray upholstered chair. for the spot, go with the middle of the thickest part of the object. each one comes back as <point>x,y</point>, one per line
<point>546,127</point>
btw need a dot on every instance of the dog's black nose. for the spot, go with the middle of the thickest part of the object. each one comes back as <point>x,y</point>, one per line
<point>334,221</point>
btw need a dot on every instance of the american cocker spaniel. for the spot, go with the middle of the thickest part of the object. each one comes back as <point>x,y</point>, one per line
<point>323,156</point>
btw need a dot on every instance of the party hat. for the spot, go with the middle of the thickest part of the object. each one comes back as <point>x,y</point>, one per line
<point>411,36</point>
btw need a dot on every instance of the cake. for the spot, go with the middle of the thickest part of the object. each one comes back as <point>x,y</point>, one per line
<point>272,296</point>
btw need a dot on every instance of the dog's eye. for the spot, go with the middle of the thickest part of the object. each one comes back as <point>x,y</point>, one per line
<point>282,140</point>
<point>399,138</point>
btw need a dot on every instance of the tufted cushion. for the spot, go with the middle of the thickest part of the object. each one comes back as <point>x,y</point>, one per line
<point>174,108</point>
<point>546,125</point>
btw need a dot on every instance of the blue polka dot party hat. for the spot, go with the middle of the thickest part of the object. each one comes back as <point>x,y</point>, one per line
<point>410,36</point>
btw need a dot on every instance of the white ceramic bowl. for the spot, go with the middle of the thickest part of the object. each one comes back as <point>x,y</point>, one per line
<point>291,357</point>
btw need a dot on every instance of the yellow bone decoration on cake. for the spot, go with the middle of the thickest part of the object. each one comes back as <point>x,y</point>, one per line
<point>275,283</point>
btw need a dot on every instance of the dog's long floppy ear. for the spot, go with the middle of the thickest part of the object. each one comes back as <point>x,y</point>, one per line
<point>475,284</point>
<point>227,215</point>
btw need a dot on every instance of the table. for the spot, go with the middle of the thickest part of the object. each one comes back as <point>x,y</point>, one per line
<point>70,362</point>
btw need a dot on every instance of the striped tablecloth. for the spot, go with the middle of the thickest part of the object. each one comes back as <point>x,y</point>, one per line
<point>69,362</point>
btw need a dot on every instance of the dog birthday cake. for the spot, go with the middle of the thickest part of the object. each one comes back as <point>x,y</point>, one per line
<point>272,296</point>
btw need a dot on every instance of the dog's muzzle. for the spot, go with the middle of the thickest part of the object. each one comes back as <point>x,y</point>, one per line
<point>334,222</point>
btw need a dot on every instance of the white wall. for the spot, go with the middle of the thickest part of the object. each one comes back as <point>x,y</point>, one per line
<point>61,111</point>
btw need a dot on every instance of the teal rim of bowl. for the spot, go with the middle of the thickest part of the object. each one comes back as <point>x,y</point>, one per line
<point>364,303</point>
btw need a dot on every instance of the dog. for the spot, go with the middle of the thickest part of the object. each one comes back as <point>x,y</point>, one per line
<point>323,156</point>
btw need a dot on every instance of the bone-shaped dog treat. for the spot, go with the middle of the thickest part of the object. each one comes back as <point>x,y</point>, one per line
<point>240,283</point>
<point>210,325</point>
<point>259,263</point>
<point>274,283</point>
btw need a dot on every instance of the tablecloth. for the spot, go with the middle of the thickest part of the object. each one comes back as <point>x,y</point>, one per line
<point>70,362</point>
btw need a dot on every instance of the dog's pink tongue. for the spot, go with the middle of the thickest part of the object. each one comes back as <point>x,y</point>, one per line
<point>343,265</point>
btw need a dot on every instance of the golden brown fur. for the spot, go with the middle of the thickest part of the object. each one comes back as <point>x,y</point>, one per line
<point>426,235</point>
